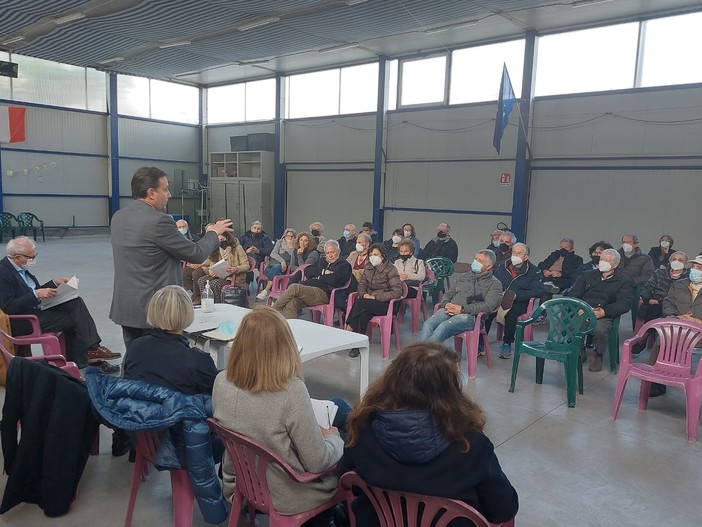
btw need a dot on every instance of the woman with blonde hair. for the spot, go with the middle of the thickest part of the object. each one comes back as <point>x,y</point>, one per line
<point>262,395</point>
<point>415,430</point>
<point>231,251</point>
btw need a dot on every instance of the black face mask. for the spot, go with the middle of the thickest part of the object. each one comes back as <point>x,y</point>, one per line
<point>441,234</point>
<point>405,257</point>
<point>504,247</point>
<point>595,259</point>
<point>223,245</point>
<point>563,252</point>
<point>316,232</point>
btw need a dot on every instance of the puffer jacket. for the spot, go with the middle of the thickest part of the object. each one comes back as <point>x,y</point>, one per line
<point>526,284</point>
<point>140,406</point>
<point>475,292</point>
<point>638,267</point>
<point>614,295</point>
<point>659,284</point>
<point>382,281</point>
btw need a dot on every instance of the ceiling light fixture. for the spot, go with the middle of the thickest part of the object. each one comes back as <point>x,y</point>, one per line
<point>176,43</point>
<point>586,3</point>
<point>110,61</point>
<point>252,62</point>
<point>355,2</point>
<point>340,47</point>
<point>245,26</point>
<point>12,40</point>
<point>68,18</point>
<point>458,25</point>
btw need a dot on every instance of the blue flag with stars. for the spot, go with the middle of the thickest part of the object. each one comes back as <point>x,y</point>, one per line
<point>505,103</point>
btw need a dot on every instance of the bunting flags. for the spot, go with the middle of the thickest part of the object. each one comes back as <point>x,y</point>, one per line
<point>12,124</point>
<point>505,103</point>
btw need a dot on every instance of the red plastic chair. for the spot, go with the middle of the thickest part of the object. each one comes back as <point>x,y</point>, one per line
<point>36,331</point>
<point>399,509</point>
<point>250,460</point>
<point>183,499</point>
<point>281,282</point>
<point>528,330</point>
<point>673,367</point>
<point>326,311</point>
<point>387,323</point>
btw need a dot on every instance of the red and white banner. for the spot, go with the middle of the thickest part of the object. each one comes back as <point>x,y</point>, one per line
<point>12,124</point>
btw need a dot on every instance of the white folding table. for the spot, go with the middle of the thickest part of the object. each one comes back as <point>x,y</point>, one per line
<point>315,340</point>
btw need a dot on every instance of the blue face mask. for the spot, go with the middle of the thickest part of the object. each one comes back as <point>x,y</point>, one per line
<point>346,234</point>
<point>476,266</point>
<point>695,276</point>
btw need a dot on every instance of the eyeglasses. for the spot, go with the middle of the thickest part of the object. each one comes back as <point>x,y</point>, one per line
<point>27,256</point>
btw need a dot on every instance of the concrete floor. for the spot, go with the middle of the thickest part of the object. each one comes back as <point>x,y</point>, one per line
<point>570,466</point>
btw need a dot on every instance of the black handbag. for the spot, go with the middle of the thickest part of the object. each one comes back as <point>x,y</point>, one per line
<point>236,295</point>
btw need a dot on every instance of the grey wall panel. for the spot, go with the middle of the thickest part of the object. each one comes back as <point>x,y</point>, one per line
<point>329,140</point>
<point>58,211</point>
<point>146,139</point>
<point>472,233</point>
<point>64,131</point>
<point>334,198</point>
<point>34,173</point>
<point>175,171</point>
<point>218,136</point>
<point>593,205</point>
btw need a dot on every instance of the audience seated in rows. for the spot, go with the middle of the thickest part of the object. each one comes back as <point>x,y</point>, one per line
<point>561,266</point>
<point>392,245</point>
<point>256,243</point>
<point>368,228</point>
<point>416,430</point>
<point>409,233</point>
<point>231,251</point>
<point>609,291</point>
<point>521,281</point>
<point>359,256</point>
<point>316,229</point>
<point>635,265</point>
<point>504,250</point>
<point>347,242</point>
<point>473,292</point>
<point>279,259</point>
<point>412,271</point>
<point>595,252</point>
<point>660,255</point>
<point>442,245</point>
<point>495,239</point>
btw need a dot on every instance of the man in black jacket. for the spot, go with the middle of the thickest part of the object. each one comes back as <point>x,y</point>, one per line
<point>332,272</point>
<point>609,292</point>
<point>442,245</point>
<point>560,266</point>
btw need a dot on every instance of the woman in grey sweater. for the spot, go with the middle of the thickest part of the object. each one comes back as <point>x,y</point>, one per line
<point>262,395</point>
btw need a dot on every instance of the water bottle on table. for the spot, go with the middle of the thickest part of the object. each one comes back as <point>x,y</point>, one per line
<point>207,299</point>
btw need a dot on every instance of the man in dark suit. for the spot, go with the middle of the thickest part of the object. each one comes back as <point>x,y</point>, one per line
<point>21,294</point>
<point>148,249</point>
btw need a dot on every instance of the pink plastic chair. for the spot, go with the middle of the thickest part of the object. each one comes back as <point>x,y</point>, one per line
<point>399,509</point>
<point>183,500</point>
<point>250,460</point>
<point>326,311</point>
<point>50,343</point>
<point>36,331</point>
<point>672,368</point>
<point>528,330</point>
<point>387,323</point>
<point>416,305</point>
<point>262,279</point>
<point>281,282</point>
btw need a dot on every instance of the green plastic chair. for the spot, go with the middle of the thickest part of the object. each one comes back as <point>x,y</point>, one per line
<point>26,223</point>
<point>570,320</point>
<point>443,268</point>
<point>7,226</point>
<point>613,345</point>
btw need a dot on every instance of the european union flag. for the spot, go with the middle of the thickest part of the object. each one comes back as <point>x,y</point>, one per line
<point>505,103</point>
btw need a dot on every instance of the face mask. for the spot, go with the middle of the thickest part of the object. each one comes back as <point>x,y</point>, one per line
<point>375,260</point>
<point>627,247</point>
<point>504,247</point>
<point>476,266</point>
<point>183,231</point>
<point>359,247</point>
<point>665,244</point>
<point>675,265</point>
<point>407,234</point>
<point>405,257</point>
<point>595,259</point>
<point>563,252</point>
<point>695,276</point>
<point>516,260</point>
<point>31,262</point>
<point>347,234</point>
<point>316,232</point>
<point>396,239</point>
<point>441,234</point>
<point>604,267</point>
<point>495,243</point>
<point>223,245</point>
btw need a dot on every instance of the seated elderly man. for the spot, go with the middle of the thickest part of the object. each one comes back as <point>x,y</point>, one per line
<point>331,273</point>
<point>256,243</point>
<point>495,239</point>
<point>609,292</point>
<point>504,249</point>
<point>442,245</point>
<point>637,266</point>
<point>595,252</point>
<point>561,265</point>
<point>184,229</point>
<point>317,232</point>
<point>472,292</point>
<point>347,242</point>
<point>21,294</point>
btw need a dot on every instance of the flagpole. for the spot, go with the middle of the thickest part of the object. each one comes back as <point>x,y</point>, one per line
<point>522,127</point>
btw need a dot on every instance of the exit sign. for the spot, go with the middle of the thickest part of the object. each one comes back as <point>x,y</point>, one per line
<point>505,179</point>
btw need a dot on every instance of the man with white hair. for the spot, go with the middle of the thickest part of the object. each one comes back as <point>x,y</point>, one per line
<point>21,294</point>
<point>609,292</point>
<point>443,245</point>
<point>504,249</point>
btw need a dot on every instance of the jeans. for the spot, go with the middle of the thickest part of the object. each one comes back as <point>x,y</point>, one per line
<point>442,326</point>
<point>273,270</point>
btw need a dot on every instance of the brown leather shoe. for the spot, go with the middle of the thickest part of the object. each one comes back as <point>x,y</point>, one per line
<point>106,367</point>
<point>102,353</point>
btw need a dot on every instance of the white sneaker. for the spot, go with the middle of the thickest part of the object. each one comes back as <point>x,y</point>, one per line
<point>263,295</point>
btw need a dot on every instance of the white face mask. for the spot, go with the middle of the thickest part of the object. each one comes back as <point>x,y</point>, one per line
<point>407,234</point>
<point>359,247</point>
<point>31,262</point>
<point>604,267</point>
<point>183,231</point>
<point>675,265</point>
<point>396,239</point>
<point>627,247</point>
<point>375,260</point>
<point>495,243</point>
<point>516,260</point>
<point>665,244</point>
